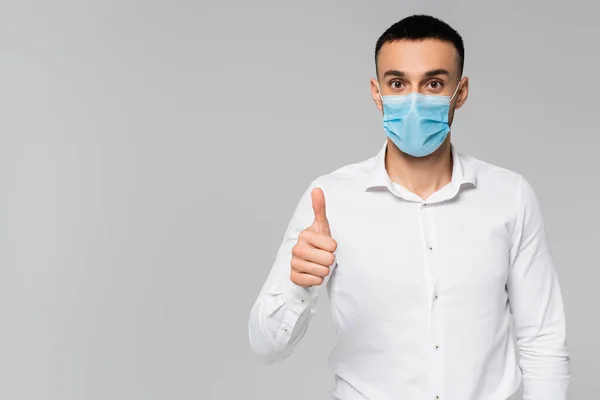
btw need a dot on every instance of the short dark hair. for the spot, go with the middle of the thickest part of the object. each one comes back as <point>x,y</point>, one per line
<point>420,27</point>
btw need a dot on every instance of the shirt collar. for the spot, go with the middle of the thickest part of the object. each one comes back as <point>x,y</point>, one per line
<point>462,170</point>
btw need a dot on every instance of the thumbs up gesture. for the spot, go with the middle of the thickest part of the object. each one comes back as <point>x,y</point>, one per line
<point>312,255</point>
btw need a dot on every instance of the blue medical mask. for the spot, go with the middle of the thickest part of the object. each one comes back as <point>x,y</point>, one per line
<point>416,123</point>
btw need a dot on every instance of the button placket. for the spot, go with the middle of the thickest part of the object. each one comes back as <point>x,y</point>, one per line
<point>436,316</point>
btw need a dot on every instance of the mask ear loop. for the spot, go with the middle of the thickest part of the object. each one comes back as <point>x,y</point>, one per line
<point>379,92</point>
<point>455,91</point>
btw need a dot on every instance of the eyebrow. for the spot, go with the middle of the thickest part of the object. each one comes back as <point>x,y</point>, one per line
<point>394,72</point>
<point>429,74</point>
<point>435,72</point>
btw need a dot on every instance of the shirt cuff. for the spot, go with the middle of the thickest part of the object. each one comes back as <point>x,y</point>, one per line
<point>296,298</point>
<point>294,301</point>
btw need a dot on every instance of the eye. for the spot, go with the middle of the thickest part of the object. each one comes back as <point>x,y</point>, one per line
<point>436,85</point>
<point>396,85</point>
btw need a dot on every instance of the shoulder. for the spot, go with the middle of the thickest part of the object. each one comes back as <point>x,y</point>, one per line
<point>491,176</point>
<point>502,184</point>
<point>349,176</point>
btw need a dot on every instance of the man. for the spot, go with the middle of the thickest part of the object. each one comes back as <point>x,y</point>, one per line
<point>426,253</point>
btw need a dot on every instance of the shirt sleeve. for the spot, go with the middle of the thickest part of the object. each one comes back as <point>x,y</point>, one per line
<point>282,312</point>
<point>536,304</point>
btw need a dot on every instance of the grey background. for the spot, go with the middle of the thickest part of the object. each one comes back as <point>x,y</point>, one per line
<point>151,154</point>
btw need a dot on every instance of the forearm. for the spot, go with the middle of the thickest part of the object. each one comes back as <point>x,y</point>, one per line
<point>541,331</point>
<point>279,319</point>
<point>545,377</point>
<point>283,310</point>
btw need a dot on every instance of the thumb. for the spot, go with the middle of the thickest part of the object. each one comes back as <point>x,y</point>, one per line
<point>318,203</point>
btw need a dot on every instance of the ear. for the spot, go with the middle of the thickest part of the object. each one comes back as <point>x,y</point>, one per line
<point>463,93</point>
<point>375,94</point>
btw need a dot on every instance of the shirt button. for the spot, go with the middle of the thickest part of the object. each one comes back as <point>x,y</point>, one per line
<point>437,397</point>
<point>430,248</point>
<point>435,297</point>
<point>437,347</point>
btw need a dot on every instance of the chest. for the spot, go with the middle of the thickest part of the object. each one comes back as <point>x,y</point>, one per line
<point>398,250</point>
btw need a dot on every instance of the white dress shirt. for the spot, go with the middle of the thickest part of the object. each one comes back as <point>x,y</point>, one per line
<point>422,291</point>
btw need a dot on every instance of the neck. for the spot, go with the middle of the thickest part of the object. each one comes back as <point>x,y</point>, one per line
<point>421,175</point>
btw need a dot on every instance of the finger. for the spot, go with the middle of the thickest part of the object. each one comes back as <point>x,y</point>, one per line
<point>312,254</point>
<point>310,268</point>
<point>305,280</point>
<point>318,240</point>
<point>318,203</point>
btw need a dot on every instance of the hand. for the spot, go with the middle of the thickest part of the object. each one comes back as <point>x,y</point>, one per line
<point>313,253</point>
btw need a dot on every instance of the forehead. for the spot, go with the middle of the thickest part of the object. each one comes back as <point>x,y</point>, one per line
<point>417,56</point>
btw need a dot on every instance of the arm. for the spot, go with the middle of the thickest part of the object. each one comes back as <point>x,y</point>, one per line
<point>282,312</point>
<point>536,303</point>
